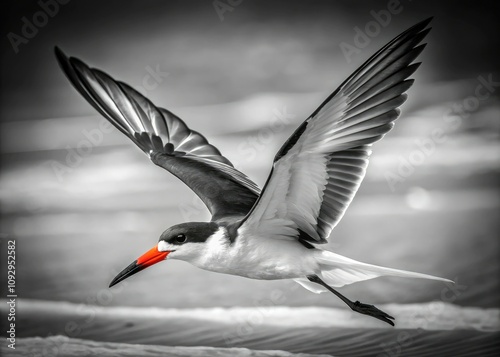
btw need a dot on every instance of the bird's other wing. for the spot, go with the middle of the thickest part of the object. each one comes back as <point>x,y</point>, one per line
<point>166,139</point>
<point>317,172</point>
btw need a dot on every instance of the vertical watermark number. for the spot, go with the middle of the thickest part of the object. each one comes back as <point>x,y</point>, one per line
<point>11,293</point>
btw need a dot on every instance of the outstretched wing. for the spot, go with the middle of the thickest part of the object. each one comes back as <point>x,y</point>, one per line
<point>318,170</point>
<point>166,139</point>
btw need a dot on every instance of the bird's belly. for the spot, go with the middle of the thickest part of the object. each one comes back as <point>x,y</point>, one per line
<point>254,270</point>
<point>270,259</point>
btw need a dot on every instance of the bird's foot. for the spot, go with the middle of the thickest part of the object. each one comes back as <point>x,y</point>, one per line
<point>372,311</point>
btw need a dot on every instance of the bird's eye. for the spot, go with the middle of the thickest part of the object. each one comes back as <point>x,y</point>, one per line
<point>181,238</point>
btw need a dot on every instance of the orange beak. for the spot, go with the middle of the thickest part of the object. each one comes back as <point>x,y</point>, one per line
<point>149,258</point>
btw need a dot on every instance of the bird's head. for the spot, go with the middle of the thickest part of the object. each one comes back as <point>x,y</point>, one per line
<point>183,241</point>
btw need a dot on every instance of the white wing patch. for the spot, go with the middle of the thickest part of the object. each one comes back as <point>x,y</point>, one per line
<point>296,208</point>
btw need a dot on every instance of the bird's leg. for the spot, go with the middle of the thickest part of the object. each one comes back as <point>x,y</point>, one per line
<point>355,306</point>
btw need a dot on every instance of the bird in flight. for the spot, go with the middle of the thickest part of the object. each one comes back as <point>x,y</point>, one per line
<point>271,233</point>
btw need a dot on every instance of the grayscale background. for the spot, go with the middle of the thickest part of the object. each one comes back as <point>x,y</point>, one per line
<point>82,203</point>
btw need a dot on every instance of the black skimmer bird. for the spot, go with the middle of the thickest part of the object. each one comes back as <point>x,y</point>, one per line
<point>270,233</point>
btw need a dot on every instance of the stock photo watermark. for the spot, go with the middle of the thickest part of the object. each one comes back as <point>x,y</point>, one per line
<point>154,77</point>
<point>363,35</point>
<point>11,295</point>
<point>253,144</point>
<point>255,318</point>
<point>31,25</point>
<point>223,6</point>
<point>263,309</point>
<point>87,317</point>
<point>72,328</point>
<point>75,156</point>
<point>453,119</point>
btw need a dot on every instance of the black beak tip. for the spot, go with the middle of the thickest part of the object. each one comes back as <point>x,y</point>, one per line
<point>117,279</point>
<point>61,57</point>
<point>125,273</point>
